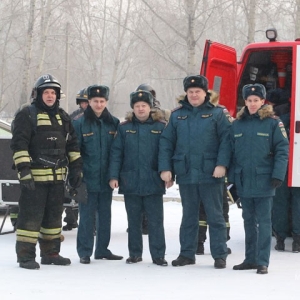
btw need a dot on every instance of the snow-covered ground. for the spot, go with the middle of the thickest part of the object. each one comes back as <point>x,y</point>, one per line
<point>118,280</point>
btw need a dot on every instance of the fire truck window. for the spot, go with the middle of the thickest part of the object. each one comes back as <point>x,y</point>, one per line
<point>271,68</point>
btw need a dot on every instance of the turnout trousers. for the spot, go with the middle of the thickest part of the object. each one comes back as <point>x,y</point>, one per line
<point>39,219</point>
<point>286,198</point>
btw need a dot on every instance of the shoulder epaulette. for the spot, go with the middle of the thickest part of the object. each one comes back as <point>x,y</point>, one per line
<point>176,108</point>
<point>78,116</point>
<point>124,122</point>
<point>162,121</point>
<point>220,105</point>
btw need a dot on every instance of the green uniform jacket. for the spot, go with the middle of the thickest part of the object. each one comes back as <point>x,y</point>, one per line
<point>134,156</point>
<point>95,136</point>
<point>195,141</point>
<point>260,152</point>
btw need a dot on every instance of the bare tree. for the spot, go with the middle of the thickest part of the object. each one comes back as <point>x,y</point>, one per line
<point>28,51</point>
<point>45,15</point>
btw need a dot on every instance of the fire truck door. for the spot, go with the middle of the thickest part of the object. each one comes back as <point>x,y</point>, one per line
<point>294,156</point>
<point>220,67</point>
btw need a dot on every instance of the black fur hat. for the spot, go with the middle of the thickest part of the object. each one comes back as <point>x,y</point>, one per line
<point>144,96</point>
<point>98,91</point>
<point>256,89</point>
<point>195,81</point>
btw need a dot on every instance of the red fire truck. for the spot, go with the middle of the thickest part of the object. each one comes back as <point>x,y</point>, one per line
<point>275,64</point>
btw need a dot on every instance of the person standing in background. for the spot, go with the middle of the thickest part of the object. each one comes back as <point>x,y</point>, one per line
<point>71,216</point>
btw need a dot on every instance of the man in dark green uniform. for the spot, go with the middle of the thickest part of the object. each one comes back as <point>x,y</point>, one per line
<point>134,169</point>
<point>260,155</point>
<point>95,129</point>
<point>195,146</point>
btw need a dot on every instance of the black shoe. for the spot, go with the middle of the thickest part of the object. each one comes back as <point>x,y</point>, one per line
<point>133,259</point>
<point>229,251</point>
<point>160,261</point>
<point>30,265</point>
<point>245,266</point>
<point>279,244</point>
<point>69,227</point>
<point>262,270</point>
<point>110,257</point>
<point>181,261</point>
<point>200,249</point>
<point>220,263</point>
<point>85,260</point>
<point>55,259</point>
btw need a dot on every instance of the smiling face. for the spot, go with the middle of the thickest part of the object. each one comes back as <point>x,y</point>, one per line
<point>49,97</point>
<point>141,110</point>
<point>254,103</point>
<point>196,96</point>
<point>98,104</point>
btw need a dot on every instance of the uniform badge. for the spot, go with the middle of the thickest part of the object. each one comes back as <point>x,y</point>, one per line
<point>283,132</point>
<point>130,131</point>
<point>156,131</point>
<point>88,134</point>
<point>182,117</point>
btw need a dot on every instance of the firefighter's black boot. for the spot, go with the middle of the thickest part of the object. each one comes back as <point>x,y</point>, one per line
<point>201,238</point>
<point>296,243</point>
<point>68,227</point>
<point>280,246</point>
<point>55,259</point>
<point>200,248</point>
<point>30,265</point>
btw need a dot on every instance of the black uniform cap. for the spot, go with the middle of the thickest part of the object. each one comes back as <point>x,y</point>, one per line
<point>144,96</point>
<point>98,91</point>
<point>256,89</point>
<point>195,81</point>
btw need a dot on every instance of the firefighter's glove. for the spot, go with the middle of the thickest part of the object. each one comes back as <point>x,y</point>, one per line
<point>75,178</point>
<point>26,179</point>
<point>276,183</point>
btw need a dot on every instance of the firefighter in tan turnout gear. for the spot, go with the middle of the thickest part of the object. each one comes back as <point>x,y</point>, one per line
<point>45,149</point>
